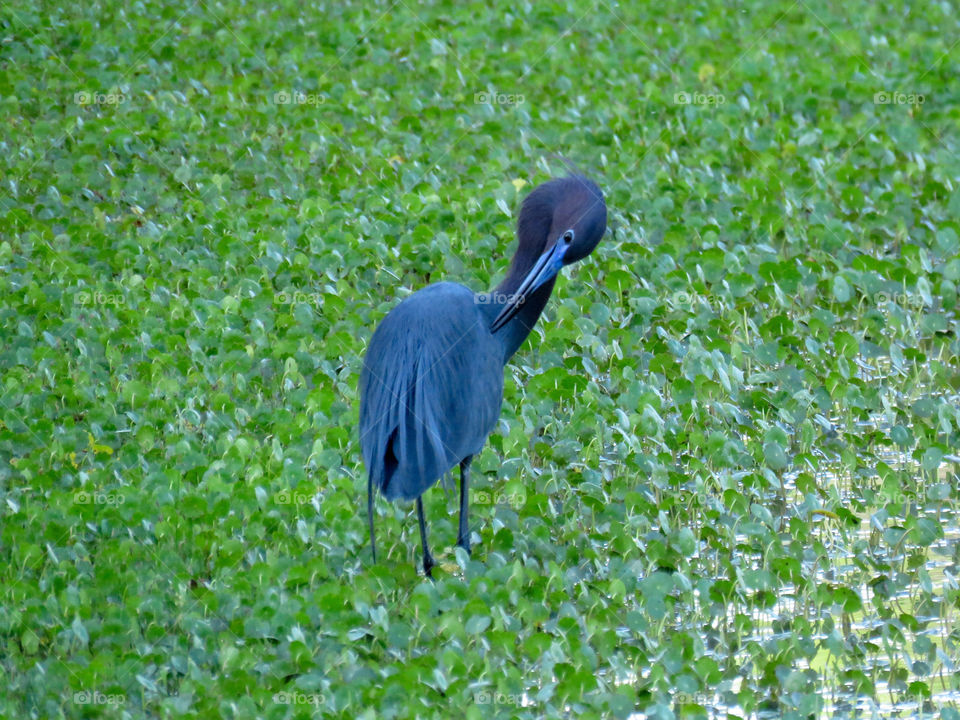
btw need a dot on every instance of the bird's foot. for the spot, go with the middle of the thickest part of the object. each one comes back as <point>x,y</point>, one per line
<point>428,563</point>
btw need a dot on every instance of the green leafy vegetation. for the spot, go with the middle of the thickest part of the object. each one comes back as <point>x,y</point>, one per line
<point>725,478</point>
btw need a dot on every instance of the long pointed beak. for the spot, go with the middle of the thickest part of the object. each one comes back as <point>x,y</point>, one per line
<point>546,268</point>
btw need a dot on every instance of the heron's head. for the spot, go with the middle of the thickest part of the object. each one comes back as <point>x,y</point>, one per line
<point>579,218</point>
<point>560,223</point>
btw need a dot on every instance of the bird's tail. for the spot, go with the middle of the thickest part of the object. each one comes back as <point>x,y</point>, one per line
<point>373,544</point>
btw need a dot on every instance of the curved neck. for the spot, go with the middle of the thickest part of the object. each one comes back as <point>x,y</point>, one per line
<point>515,332</point>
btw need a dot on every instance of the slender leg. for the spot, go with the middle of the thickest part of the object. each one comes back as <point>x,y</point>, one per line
<point>427,557</point>
<point>373,542</point>
<point>463,533</point>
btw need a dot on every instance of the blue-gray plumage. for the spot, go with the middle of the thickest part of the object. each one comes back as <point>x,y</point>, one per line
<point>432,380</point>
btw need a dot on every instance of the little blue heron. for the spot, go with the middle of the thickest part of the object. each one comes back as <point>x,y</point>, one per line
<point>432,380</point>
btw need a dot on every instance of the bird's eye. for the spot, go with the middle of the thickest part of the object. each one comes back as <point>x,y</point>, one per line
<point>568,237</point>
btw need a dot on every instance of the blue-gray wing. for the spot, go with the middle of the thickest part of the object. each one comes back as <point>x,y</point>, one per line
<point>430,390</point>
